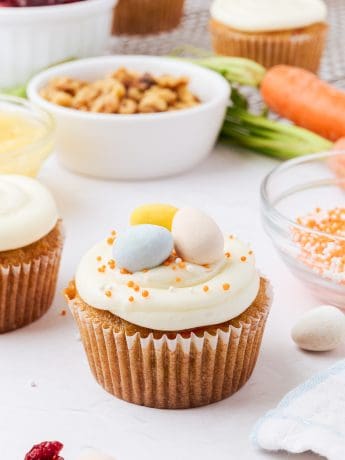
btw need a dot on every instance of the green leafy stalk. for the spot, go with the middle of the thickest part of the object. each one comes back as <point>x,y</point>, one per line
<point>270,137</point>
<point>234,69</point>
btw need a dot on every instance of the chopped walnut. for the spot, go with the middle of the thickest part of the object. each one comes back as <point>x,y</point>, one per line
<point>123,91</point>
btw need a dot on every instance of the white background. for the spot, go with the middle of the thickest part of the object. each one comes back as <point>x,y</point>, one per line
<point>67,404</point>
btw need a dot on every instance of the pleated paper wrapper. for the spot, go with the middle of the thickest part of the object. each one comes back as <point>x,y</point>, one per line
<point>171,373</point>
<point>301,48</point>
<point>133,17</point>
<point>27,290</point>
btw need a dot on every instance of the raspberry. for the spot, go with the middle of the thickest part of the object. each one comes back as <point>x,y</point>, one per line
<point>48,450</point>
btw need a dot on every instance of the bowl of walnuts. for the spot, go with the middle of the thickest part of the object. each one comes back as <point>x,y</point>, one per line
<point>132,117</point>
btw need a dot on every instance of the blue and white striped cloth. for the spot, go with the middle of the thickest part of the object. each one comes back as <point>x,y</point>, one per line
<point>309,418</point>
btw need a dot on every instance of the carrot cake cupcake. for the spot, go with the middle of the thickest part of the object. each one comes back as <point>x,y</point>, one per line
<point>170,319</point>
<point>147,16</point>
<point>30,250</point>
<point>270,31</point>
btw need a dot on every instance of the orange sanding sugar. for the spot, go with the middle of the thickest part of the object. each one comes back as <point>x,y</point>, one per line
<point>323,253</point>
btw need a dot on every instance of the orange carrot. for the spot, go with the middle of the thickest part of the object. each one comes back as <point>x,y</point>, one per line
<point>303,98</point>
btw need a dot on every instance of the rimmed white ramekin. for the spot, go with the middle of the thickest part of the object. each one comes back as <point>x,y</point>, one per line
<point>139,146</point>
<point>32,38</point>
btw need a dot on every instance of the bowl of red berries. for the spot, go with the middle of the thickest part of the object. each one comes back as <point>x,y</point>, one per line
<point>35,34</point>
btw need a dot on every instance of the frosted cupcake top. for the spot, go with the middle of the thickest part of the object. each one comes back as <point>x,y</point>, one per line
<point>27,211</point>
<point>268,15</point>
<point>170,281</point>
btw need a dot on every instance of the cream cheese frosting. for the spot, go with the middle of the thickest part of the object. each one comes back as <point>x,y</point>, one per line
<point>268,15</point>
<point>173,296</point>
<point>27,211</point>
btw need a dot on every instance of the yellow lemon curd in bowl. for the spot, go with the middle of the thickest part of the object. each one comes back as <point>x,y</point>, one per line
<point>26,136</point>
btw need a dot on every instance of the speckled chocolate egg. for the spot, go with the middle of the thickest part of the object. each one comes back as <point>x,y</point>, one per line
<point>155,214</point>
<point>142,246</point>
<point>320,329</point>
<point>197,238</point>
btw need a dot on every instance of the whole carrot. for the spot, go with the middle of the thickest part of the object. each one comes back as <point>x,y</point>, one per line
<point>303,98</point>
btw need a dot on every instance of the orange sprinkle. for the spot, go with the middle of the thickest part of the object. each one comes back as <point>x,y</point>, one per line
<point>178,280</point>
<point>250,252</point>
<point>174,267</point>
<point>99,258</point>
<point>226,286</point>
<point>113,232</point>
<point>228,255</point>
<point>102,269</point>
<point>124,271</point>
<point>108,293</point>
<point>243,258</point>
<point>145,293</point>
<point>112,264</point>
<point>110,240</point>
<point>145,270</point>
<point>63,312</point>
<point>182,264</point>
<point>130,284</point>
<point>206,265</point>
<point>131,298</point>
<point>205,288</point>
<point>137,288</point>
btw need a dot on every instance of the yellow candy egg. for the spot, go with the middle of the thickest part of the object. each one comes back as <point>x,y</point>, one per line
<point>154,214</point>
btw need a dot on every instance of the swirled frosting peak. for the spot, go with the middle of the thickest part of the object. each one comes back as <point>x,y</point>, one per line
<point>27,211</point>
<point>176,295</point>
<point>268,15</point>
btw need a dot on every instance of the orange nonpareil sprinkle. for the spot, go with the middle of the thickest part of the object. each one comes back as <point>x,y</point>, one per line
<point>130,284</point>
<point>243,258</point>
<point>113,232</point>
<point>102,269</point>
<point>124,271</point>
<point>228,255</point>
<point>112,264</point>
<point>178,280</point>
<point>131,298</point>
<point>206,288</point>
<point>99,258</point>
<point>226,286</point>
<point>145,293</point>
<point>110,240</point>
<point>136,288</point>
<point>108,293</point>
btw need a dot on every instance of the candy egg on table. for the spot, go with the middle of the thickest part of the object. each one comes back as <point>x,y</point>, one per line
<point>142,246</point>
<point>197,238</point>
<point>92,454</point>
<point>155,214</point>
<point>320,329</point>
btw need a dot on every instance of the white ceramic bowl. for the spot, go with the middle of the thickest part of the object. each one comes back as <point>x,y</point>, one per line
<point>138,146</point>
<point>32,38</point>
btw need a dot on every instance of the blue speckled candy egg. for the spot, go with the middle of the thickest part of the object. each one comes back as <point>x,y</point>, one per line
<point>142,246</point>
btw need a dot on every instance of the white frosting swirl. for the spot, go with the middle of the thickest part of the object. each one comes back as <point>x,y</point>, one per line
<point>268,15</point>
<point>27,211</point>
<point>177,298</point>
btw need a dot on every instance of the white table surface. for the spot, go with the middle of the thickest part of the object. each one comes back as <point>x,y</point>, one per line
<point>67,404</point>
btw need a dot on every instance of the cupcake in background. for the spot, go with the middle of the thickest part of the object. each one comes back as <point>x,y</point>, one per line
<point>30,250</point>
<point>270,31</point>
<point>134,17</point>
<point>171,313</point>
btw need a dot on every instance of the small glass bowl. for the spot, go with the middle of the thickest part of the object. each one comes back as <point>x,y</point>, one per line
<point>28,158</point>
<point>294,189</point>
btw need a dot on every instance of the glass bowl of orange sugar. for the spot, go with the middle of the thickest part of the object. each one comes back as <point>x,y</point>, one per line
<point>303,208</point>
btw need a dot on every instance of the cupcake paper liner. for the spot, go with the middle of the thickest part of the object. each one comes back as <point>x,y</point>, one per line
<point>146,16</point>
<point>301,48</point>
<point>27,290</point>
<point>171,372</point>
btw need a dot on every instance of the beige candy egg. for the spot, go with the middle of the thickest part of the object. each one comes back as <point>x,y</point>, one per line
<point>92,454</point>
<point>197,238</point>
<point>321,329</point>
